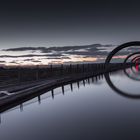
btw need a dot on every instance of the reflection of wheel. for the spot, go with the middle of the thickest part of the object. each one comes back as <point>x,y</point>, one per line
<point>117,90</point>
<point>134,68</point>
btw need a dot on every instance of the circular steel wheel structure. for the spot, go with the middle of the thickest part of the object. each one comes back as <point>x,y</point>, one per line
<point>135,61</point>
<point>126,45</point>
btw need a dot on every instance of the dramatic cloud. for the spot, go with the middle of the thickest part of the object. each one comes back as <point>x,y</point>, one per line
<point>94,49</point>
<point>65,54</point>
<point>24,49</point>
<point>64,48</point>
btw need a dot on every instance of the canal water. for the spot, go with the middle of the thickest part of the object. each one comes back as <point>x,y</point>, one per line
<point>91,110</point>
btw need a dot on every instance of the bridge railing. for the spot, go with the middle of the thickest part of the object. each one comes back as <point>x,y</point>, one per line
<point>37,73</point>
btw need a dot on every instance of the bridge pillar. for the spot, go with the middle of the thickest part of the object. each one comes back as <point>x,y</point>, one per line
<point>71,86</point>
<point>39,99</point>
<point>63,90</point>
<point>84,82</point>
<point>21,107</point>
<point>78,84</point>
<point>52,91</point>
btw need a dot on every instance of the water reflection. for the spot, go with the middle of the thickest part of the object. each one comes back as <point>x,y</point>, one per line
<point>117,90</point>
<point>133,74</point>
<point>85,108</point>
<point>83,82</point>
<point>51,93</point>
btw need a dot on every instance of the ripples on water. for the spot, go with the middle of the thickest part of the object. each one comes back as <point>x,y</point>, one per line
<point>89,109</point>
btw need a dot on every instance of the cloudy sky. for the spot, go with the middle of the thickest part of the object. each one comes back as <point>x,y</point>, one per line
<point>54,55</point>
<point>50,23</point>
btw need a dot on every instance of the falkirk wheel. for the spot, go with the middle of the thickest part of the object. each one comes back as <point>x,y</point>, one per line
<point>132,56</point>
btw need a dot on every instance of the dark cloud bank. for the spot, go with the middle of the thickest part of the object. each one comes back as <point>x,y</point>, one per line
<point>85,50</point>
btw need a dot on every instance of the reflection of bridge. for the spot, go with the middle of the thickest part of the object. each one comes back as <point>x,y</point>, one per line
<point>26,83</point>
<point>18,90</point>
<point>49,93</point>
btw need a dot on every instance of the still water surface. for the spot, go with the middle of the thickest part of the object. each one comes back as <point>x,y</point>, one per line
<point>92,111</point>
